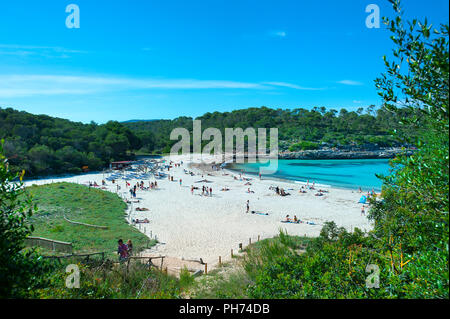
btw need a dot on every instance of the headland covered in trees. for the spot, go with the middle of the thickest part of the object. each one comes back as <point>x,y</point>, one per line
<point>45,145</point>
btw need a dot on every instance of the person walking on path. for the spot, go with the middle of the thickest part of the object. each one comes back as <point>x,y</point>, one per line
<point>122,250</point>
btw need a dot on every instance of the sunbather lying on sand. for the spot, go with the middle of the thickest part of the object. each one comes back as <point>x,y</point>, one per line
<point>203,181</point>
<point>225,189</point>
<point>139,209</point>
<point>131,201</point>
<point>140,221</point>
<point>259,213</point>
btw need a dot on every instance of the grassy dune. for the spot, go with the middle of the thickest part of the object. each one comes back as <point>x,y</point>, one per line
<point>81,204</point>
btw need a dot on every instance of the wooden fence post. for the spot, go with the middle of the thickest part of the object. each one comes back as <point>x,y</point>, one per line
<point>240,246</point>
<point>206,268</point>
<point>258,237</point>
<point>220,261</point>
<point>249,241</point>
<point>231,253</point>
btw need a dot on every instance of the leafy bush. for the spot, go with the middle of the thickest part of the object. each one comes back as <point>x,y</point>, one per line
<point>303,145</point>
<point>20,270</point>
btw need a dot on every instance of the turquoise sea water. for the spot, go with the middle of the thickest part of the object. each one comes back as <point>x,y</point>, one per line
<point>341,173</point>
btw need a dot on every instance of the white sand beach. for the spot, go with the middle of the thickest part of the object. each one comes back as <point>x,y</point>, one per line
<point>192,226</point>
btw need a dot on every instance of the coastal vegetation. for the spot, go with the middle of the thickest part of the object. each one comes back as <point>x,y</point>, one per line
<point>79,203</point>
<point>44,145</point>
<point>298,129</point>
<point>103,281</point>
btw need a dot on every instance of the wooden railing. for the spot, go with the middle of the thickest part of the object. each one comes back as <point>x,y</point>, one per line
<point>86,256</point>
<point>49,244</point>
<point>149,262</point>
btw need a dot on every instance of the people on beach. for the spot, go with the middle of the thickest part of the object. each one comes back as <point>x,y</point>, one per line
<point>248,206</point>
<point>140,221</point>
<point>287,218</point>
<point>363,212</point>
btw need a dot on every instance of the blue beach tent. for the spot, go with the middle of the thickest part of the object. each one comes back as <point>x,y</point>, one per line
<point>363,200</point>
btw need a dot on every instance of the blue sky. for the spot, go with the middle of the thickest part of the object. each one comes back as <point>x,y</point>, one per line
<point>163,59</point>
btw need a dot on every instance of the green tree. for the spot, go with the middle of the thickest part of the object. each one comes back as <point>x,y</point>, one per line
<point>19,270</point>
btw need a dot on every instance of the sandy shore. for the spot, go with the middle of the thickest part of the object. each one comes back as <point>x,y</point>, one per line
<point>192,226</point>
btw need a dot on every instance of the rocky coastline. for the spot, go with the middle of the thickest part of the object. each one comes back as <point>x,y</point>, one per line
<point>345,154</point>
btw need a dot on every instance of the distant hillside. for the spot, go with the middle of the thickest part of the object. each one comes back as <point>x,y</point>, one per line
<point>134,121</point>
<point>298,129</point>
<point>43,145</point>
